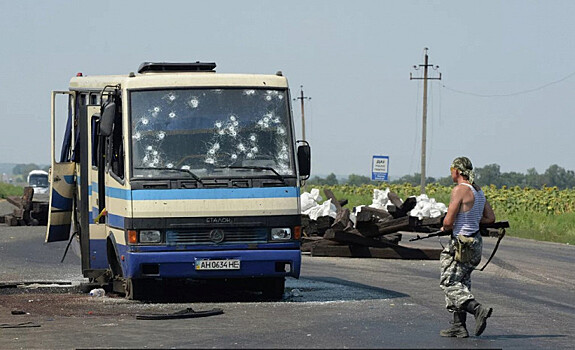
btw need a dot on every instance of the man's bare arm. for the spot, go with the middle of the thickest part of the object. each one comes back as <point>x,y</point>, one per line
<point>488,214</point>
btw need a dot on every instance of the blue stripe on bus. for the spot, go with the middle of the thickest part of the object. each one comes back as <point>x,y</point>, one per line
<point>59,233</point>
<point>60,202</point>
<point>69,179</point>
<point>118,193</point>
<point>116,221</point>
<point>216,193</point>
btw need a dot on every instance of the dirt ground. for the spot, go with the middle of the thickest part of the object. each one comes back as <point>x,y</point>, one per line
<point>44,303</point>
<point>75,301</point>
<point>53,305</point>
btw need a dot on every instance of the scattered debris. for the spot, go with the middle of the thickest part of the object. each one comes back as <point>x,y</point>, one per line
<point>19,312</point>
<point>187,313</point>
<point>28,211</point>
<point>98,292</point>
<point>19,325</point>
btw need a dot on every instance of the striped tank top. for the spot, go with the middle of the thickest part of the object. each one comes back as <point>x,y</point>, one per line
<point>467,222</point>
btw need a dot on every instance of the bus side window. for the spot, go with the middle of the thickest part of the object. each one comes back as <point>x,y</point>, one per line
<point>116,147</point>
<point>94,99</point>
<point>95,140</point>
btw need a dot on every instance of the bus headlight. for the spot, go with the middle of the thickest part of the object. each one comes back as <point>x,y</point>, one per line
<point>281,234</point>
<point>150,236</point>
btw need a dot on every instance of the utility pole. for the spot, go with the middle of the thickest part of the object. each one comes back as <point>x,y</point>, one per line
<point>302,97</point>
<point>425,66</point>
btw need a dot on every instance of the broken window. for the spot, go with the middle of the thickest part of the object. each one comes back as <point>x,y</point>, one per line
<point>206,131</point>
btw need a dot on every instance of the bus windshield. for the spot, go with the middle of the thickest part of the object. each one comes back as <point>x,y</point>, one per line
<point>38,181</point>
<point>211,132</point>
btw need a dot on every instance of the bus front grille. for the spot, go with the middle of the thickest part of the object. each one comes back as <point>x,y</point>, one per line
<point>217,236</point>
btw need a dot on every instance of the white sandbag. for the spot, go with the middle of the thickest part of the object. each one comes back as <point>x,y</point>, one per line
<point>380,199</point>
<point>307,202</point>
<point>427,208</point>
<point>310,199</point>
<point>353,214</point>
<point>327,208</point>
<point>314,193</point>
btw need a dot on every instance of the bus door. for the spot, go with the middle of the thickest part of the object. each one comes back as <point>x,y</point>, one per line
<point>97,170</point>
<point>62,174</point>
<point>96,240</point>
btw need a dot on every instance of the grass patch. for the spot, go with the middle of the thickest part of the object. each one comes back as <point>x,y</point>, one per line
<point>7,190</point>
<point>559,228</point>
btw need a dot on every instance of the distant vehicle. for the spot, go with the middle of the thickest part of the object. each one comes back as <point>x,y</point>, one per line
<point>38,179</point>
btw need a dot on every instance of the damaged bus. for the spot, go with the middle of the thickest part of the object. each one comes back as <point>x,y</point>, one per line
<point>178,172</point>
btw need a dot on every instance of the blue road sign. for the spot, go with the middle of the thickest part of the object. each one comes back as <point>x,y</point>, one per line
<point>379,168</point>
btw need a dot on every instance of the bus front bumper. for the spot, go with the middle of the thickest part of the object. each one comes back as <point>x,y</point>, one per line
<point>212,265</point>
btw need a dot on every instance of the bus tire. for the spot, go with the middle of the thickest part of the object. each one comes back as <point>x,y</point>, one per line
<point>273,288</point>
<point>131,290</point>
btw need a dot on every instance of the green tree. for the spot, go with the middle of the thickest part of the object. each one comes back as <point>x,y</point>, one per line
<point>533,179</point>
<point>331,180</point>
<point>445,181</point>
<point>488,175</point>
<point>316,180</point>
<point>24,169</point>
<point>414,179</point>
<point>358,180</point>
<point>21,172</point>
<point>558,176</point>
<point>512,179</point>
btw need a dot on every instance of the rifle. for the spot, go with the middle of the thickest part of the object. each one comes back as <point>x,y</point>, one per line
<point>433,234</point>
<point>495,225</point>
<point>500,225</point>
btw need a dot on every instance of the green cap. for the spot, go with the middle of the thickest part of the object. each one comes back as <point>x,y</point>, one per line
<point>463,164</point>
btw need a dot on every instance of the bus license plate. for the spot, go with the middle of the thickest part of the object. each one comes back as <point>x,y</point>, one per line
<point>228,264</point>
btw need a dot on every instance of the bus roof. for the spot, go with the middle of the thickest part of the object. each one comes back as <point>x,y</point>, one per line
<point>173,78</point>
<point>37,172</point>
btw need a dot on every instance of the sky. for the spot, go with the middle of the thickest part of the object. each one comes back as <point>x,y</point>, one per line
<point>506,94</point>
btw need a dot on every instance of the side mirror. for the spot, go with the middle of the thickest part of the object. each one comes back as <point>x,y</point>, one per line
<point>107,119</point>
<point>304,160</point>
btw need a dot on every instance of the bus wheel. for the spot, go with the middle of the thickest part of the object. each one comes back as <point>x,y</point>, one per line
<point>131,288</point>
<point>273,288</point>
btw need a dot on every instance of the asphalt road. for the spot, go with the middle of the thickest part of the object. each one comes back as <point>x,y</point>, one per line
<point>337,303</point>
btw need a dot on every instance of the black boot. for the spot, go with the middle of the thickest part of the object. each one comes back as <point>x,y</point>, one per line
<point>458,329</point>
<point>481,314</point>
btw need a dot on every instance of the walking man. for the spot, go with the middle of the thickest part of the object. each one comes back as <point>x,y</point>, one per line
<point>467,209</point>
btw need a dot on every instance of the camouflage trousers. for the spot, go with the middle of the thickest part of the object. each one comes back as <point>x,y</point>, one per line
<point>455,277</point>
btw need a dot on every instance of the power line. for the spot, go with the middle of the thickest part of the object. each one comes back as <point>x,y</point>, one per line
<point>425,78</point>
<point>417,131</point>
<point>302,98</point>
<point>510,94</point>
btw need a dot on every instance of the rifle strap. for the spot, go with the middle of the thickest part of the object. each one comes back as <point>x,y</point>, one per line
<point>501,235</point>
<point>439,239</point>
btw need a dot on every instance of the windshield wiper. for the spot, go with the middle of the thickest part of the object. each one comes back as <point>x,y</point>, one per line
<point>174,169</point>
<point>257,168</point>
